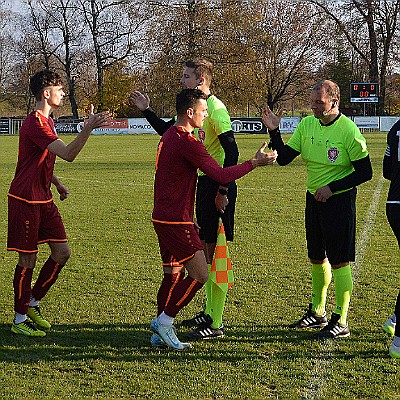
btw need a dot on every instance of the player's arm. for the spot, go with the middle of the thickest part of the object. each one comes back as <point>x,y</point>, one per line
<point>222,124</point>
<point>61,189</point>
<point>362,173</point>
<point>142,102</point>
<point>286,154</point>
<point>158,124</point>
<point>68,152</point>
<point>391,158</point>
<point>213,170</point>
<point>228,143</point>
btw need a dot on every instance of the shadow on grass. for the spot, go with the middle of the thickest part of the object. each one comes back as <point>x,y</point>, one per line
<point>290,344</point>
<point>124,342</point>
<point>76,342</point>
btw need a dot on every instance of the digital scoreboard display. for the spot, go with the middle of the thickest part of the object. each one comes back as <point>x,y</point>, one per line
<point>364,92</point>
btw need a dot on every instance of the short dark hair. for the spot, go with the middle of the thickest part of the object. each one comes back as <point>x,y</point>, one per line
<point>43,79</point>
<point>332,88</point>
<point>202,69</point>
<point>187,98</point>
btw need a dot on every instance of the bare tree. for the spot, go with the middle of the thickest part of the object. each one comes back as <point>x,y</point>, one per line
<point>258,57</point>
<point>115,28</point>
<point>378,20</point>
<point>41,27</point>
<point>285,50</point>
<point>69,34</point>
<point>6,43</point>
<point>184,26</point>
<point>59,31</point>
<point>14,95</point>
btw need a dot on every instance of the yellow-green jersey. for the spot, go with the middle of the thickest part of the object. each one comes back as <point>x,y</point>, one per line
<point>217,122</point>
<point>328,150</point>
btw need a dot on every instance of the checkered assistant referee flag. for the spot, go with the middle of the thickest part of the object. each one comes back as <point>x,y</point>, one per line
<point>221,272</point>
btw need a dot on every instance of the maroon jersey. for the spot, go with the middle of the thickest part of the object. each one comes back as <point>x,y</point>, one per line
<point>179,157</point>
<point>35,164</point>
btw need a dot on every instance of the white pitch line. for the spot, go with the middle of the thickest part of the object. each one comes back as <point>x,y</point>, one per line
<point>322,366</point>
<point>363,238</point>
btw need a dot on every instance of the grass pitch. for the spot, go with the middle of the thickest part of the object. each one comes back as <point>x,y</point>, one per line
<point>105,298</point>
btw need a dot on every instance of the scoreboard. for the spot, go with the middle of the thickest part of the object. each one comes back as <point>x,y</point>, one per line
<point>364,92</point>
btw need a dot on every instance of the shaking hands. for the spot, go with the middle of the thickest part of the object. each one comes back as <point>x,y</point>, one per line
<point>262,158</point>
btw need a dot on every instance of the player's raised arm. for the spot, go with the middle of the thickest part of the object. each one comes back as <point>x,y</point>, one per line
<point>285,154</point>
<point>142,102</point>
<point>271,120</point>
<point>70,151</point>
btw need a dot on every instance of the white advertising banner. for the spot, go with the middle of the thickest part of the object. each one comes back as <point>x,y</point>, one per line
<point>140,125</point>
<point>367,122</point>
<point>123,126</point>
<point>387,123</point>
<point>288,124</point>
<point>239,125</point>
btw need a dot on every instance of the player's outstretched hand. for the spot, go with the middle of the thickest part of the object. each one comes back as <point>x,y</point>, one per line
<point>271,120</point>
<point>98,120</point>
<point>140,100</point>
<point>262,158</point>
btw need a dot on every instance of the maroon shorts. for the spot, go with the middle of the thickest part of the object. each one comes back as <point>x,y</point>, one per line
<point>178,242</point>
<point>33,224</point>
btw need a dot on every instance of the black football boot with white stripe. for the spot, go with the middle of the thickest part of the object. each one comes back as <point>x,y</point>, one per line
<point>206,333</point>
<point>200,320</point>
<point>310,320</point>
<point>334,329</point>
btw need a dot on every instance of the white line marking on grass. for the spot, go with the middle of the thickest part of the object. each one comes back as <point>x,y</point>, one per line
<point>322,365</point>
<point>363,238</point>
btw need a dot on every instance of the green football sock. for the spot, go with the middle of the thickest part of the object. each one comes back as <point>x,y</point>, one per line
<point>343,289</point>
<point>321,278</point>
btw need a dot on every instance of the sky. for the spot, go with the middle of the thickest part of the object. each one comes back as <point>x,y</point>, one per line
<point>16,5</point>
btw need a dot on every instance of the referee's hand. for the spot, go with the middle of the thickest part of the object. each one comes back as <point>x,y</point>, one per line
<point>323,193</point>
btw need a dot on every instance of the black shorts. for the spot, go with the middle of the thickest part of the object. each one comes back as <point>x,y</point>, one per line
<point>331,227</point>
<point>207,214</point>
<point>393,216</point>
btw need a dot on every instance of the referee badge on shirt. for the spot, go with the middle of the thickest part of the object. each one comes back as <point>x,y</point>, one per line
<point>333,154</point>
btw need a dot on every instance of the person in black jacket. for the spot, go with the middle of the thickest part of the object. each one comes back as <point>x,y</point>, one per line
<point>391,171</point>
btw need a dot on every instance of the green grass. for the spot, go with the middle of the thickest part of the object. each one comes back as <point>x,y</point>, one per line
<point>104,300</point>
